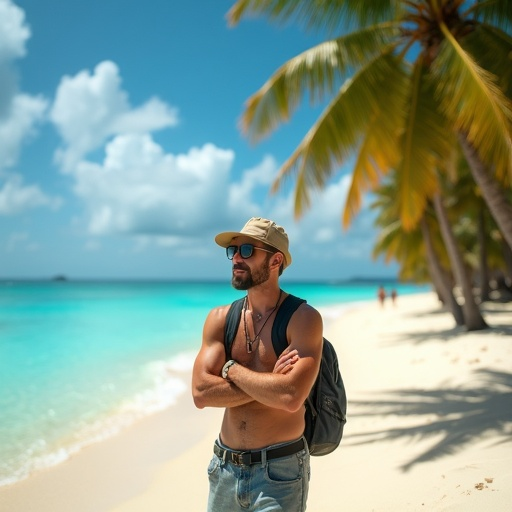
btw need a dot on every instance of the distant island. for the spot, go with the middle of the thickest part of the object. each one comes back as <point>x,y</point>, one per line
<point>59,277</point>
<point>389,279</point>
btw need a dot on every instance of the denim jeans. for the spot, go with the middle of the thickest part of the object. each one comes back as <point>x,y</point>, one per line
<point>278,484</point>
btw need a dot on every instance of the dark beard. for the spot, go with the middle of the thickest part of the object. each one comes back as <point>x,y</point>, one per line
<point>260,276</point>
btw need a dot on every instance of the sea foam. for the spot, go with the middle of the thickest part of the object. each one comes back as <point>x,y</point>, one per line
<point>170,380</point>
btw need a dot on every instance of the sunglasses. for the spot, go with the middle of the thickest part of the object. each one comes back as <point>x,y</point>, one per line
<point>245,250</point>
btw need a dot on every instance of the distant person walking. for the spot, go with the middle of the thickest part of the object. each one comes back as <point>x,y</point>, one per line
<point>394,295</point>
<point>381,294</point>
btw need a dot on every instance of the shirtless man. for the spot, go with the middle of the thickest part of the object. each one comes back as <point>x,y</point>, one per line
<point>261,459</point>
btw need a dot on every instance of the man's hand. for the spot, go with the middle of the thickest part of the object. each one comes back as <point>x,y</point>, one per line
<point>286,361</point>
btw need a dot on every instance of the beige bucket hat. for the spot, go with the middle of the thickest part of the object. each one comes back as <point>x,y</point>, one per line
<point>265,231</point>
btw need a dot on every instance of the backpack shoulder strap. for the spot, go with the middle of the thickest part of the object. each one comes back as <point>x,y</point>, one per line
<point>232,322</point>
<point>284,313</point>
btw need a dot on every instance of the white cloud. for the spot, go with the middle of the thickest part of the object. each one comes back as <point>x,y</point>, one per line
<point>161,198</point>
<point>258,176</point>
<point>15,197</point>
<point>88,109</point>
<point>18,112</point>
<point>325,217</point>
<point>158,198</point>
<point>318,234</point>
<point>141,190</point>
<point>24,112</point>
<point>321,223</point>
<point>153,115</point>
<point>13,31</point>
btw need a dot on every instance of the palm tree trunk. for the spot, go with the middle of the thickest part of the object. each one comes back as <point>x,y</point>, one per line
<point>472,316</point>
<point>436,272</point>
<point>492,191</point>
<point>507,256</point>
<point>484,267</point>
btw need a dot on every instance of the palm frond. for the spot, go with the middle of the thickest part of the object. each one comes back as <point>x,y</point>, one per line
<point>393,242</point>
<point>407,248</point>
<point>495,12</point>
<point>379,86</point>
<point>324,14</point>
<point>388,242</point>
<point>316,71</point>
<point>365,176</point>
<point>475,103</point>
<point>379,149</point>
<point>426,141</point>
<point>492,49</point>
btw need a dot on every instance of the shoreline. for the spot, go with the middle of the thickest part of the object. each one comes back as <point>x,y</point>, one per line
<point>412,379</point>
<point>172,384</point>
<point>113,470</point>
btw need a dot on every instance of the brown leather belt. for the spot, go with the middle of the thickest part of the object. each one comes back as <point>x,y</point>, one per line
<point>241,458</point>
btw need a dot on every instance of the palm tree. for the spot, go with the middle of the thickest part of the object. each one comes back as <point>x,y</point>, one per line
<point>472,316</point>
<point>439,275</point>
<point>407,80</point>
<point>416,250</point>
<point>474,227</point>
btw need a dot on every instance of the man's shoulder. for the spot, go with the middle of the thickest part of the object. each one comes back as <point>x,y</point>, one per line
<point>304,315</point>
<point>217,314</point>
<point>220,313</point>
<point>301,306</point>
<point>308,312</point>
<point>215,323</point>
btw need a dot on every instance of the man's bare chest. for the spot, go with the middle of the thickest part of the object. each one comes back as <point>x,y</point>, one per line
<point>254,351</point>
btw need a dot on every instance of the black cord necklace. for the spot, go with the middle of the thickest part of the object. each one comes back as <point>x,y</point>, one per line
<point>248,341</point>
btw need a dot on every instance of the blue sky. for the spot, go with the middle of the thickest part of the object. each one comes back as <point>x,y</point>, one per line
<point>120,153</point>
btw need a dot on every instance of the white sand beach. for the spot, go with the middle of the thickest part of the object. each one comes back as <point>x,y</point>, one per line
<point>429,428</point>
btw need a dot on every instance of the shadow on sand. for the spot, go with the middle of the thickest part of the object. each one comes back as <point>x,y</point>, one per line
<point>459,416</point>
<point>418,338</point>
<point>491,312</point>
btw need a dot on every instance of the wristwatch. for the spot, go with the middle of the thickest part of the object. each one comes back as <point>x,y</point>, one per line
<point>226,367</point>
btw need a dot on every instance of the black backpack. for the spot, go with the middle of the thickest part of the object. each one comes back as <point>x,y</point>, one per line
<point>326,405</point>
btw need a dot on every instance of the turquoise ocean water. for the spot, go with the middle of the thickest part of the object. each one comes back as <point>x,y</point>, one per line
<point>79,361</point>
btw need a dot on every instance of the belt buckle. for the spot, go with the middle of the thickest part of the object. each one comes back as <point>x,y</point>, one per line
<point>237,458</point>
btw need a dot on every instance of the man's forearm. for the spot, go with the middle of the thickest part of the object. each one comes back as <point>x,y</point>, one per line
<point>270,389</point>
<point>218,392</point>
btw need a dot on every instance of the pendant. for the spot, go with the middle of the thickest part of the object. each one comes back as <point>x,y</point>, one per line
<point>249,344</point>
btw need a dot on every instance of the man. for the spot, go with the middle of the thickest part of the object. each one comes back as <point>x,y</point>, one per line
<point>261,459</point>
